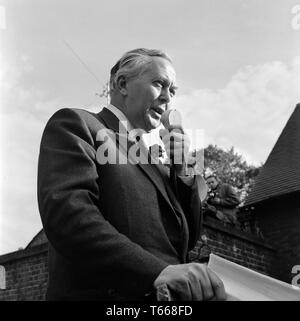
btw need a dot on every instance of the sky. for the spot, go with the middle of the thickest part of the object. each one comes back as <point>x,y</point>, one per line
<point>237,65</point>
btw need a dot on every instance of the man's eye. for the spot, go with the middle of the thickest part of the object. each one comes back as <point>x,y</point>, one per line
<point>158,83</point>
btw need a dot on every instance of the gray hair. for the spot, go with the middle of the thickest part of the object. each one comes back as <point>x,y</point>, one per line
<point>214,175</point>
<point>133,63</point>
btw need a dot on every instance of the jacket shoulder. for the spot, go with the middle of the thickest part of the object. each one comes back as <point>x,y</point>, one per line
<point>75,116</point>
<point>73,112</point>
<point>226,188</point>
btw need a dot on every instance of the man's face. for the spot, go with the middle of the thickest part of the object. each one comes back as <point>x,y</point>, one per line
<point>212,183</point>
<point>148,94</point>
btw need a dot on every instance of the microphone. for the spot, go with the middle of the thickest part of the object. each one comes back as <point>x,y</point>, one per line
<point>171,119</point>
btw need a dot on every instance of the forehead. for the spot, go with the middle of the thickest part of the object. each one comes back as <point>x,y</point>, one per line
<point>211,180</point>
<point>160,68</point>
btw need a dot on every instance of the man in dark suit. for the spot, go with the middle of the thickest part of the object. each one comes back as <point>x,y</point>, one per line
<point>116,229</point>
<point>222,200</point>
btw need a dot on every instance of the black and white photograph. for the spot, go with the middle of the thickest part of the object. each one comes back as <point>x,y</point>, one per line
<point>150,151</point>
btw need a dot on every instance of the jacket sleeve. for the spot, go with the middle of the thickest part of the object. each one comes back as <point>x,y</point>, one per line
<point>229,198</point>
<point>68,196</point>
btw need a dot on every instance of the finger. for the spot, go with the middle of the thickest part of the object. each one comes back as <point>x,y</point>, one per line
<point>177,132</point>
<point>170,139</point>
<point>174,145</point>
<point>196,289</point>
<point>217,285</point>
<point>180,141</point>
<point>176,136</point>
<point>206,286</point>
<point>163,132</point>
<point>177,129</point>
<point>182,290</point>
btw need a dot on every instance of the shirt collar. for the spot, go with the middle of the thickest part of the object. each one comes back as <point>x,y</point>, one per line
<point>121,117</point>
<point>133,132</point>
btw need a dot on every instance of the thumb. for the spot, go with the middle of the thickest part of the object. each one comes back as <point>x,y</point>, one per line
<point>163,132</point>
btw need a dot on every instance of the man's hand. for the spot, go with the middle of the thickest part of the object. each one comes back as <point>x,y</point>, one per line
<point>192,281</point>
<point>177,146</point>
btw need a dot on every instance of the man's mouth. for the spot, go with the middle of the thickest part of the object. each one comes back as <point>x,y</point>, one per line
<point>159,110</point>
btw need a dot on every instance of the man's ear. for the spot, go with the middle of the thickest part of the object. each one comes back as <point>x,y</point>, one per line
<point>121,84</point>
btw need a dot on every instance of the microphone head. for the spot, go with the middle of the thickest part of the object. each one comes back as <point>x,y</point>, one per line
<point>171,119</point>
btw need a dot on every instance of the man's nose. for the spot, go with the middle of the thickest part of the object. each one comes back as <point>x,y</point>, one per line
<point>165,96</point>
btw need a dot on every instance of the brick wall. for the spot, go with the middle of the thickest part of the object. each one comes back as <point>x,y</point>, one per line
<point>232,244</point>
<point>27,270</point>
<point>280,223</point>
<point>26,274</point>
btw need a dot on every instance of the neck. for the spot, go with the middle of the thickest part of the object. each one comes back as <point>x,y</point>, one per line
<point>117,103</point>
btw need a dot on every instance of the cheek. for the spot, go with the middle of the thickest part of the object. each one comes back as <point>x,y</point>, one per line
<point>148,98</point>
<point>143,99</point>
<point>151,94</point>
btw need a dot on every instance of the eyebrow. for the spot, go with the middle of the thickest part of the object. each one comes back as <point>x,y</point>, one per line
<point>167,82</point>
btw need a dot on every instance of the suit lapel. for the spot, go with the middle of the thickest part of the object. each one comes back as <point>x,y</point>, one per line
<point>155,173</point>
<point>112,122</point>
<point>178,211</point>
<point>161,169</point>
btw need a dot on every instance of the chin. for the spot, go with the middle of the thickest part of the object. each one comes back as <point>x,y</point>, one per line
<point>155,125</point>
<point>152,124</point>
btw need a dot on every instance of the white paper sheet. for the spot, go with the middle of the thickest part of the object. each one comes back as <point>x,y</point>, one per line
<point>243,284</point>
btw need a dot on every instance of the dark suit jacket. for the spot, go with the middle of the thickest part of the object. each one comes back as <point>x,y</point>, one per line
<point>112,228</point>
<point>227,195</point>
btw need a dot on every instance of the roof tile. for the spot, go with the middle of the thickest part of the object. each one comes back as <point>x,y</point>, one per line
<point>281,171</point>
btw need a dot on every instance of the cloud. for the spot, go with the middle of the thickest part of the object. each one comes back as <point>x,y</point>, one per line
<point>25,109</point>
<point>21,133</point>
<point>250,112</point>
<point>23,115</point>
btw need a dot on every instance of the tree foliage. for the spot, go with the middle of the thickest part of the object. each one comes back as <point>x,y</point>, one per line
<point>229,166</point>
